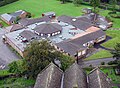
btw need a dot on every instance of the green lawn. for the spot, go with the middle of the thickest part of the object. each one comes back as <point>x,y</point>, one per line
<point>37,7</point>
<point>115,34</point>
<point>111,74</point>
<point>16,83</point>
<point>4,72</point>
<point>99,55</point>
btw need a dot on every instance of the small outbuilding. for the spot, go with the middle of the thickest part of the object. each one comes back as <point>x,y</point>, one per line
<point>49,14</point>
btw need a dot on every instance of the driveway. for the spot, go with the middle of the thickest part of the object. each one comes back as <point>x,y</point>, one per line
<point>94,62</point>
<point>6,55</point>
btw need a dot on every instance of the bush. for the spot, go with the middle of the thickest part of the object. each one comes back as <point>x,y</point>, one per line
<point>112,62</point>
<point>102,63</point>
<point>114,14</point>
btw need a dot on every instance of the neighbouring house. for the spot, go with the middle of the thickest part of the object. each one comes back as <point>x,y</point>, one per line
<point>48,29</point>
<point>73,77</point>
<point>78,22</point>
<point>10,18</point>
<point>73,36</point>
<point>13,27</point>
<point>71,48</point>
<point>28,21</point>
<point>98,20</point>
<point>20,39</point>
<point>77,46</point>
<point>49,14</point>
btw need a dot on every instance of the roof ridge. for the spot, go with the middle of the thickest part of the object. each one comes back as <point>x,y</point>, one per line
<point>51,64</point>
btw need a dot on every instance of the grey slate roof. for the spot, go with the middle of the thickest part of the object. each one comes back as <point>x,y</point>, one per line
<point>28,35</point>
<point>69,47</point>
<point>66,19</point>
<point>28,21</point>
<point>17,13</point>
<point>97,79</point>
<point>50,77</point>
<point>82,23</point>
<point>12,17</point>
<point>75,77</point>
<point>89,37</point>
<point>14,27</point>
<point>8,17</point>
<point>48,28</point>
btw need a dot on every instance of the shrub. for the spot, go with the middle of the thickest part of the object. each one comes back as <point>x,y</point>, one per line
<point>112,62</point>
<point>102,63</point>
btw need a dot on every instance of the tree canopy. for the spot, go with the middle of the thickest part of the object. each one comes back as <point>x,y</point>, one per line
<point>95,4</point>
<point>39,54</point>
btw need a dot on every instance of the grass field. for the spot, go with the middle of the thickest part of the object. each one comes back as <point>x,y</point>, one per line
<point>37,7</point>
<point>115,34</point>
<point>16,83</point>
<point>99,55</point>
<point>111,74</point>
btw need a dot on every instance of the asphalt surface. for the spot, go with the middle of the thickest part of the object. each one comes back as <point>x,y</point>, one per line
<point>6,55</point>
<point>94,62</point>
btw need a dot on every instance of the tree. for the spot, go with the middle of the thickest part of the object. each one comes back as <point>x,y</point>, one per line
<point>116,52</point>
<point>77,2</point>
<point>95,4</point>
<point>39,54</point>
<point>113,3</point>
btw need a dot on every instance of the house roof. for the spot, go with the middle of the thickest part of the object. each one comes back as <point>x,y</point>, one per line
<point>83,25</point>
<point>8,17</point>
<point>97,79</point>
<point>28,35</point>
<point>14,27</point>
<point>50,77</point>
<point>28,21</point>
<point>17,13</point>
<point>75,77</point>
<point>66,19</point>
<point>69,47</point>
<point>79,22</point>
<point>88,37</point>
<point>48,28</point>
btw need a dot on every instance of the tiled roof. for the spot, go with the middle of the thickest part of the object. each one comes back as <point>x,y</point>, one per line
<point>14,27</point>
<point>75,77</point>
<point>28,35</point>
<point>88,37</point>
<point>28,21</point>
<point>50,77</point>
<point>69,47</point>
<point>48,28</point>
<point>97,79</point>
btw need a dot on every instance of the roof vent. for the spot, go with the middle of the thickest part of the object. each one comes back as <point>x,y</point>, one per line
<point>73,19</point>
